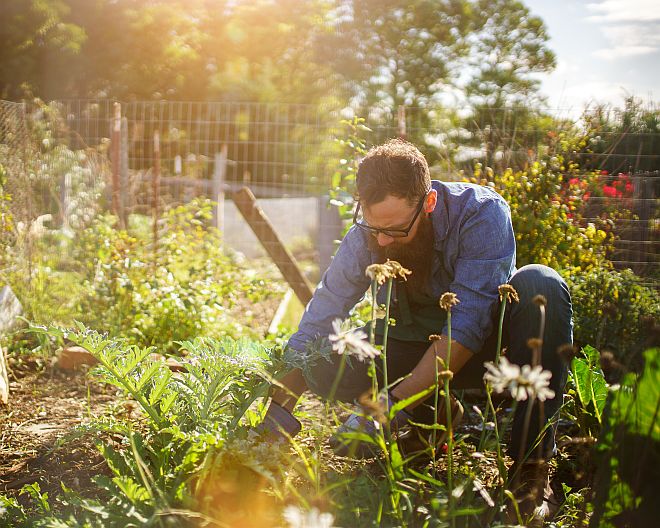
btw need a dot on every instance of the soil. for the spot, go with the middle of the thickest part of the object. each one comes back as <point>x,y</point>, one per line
<point>41,440</point>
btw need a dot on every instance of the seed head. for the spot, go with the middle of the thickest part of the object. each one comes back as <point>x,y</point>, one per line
<point>540,300</point>
<point>397,270</point>
<point>435,337</point>
<point>509,292</point>
<point>378,272</point>
<point>389,270</point>
<point>447,300</point>
<point>445,375</point>
<point>534,343</point>
<point>567,352</point>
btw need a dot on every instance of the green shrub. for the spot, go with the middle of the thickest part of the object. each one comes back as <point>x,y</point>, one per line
<point>613,311</point>
<point>546,215</point>
<point>185,288</point>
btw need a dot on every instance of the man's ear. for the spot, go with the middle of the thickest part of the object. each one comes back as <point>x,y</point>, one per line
<point>431,201</point>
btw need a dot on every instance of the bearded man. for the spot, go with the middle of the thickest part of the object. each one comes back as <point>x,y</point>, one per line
<point>454,237</point>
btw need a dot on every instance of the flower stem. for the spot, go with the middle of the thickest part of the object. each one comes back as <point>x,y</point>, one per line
<point>338,376</point>
<point>385,332</point>
<point>450,431</point>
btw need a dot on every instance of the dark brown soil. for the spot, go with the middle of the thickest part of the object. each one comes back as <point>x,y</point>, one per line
<point>41,440</point>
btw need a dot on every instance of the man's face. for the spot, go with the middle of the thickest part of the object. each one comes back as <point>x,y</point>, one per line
<point>414,251</point>
<point>395,213</point>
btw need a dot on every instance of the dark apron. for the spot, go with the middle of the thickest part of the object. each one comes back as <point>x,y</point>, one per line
<point>417,315</point>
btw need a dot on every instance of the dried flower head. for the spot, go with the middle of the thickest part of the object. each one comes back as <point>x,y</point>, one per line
<point>608,362</point>
<point>567,352</point>
<point>540,300</point>
<point>508,292</point>
<point>447,300</point>
<point>445,375</point>
<point>378,272</point>
<point>397,270</point>
<point>535,343</point>
<point>351,342</point>
<point>526,382</point>
<point>391,269</point>
<point>435,337</point>
<point>376,408</point>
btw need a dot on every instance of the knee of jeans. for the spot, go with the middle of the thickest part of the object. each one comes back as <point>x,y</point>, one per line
<point>537,279</point>
<point>317,378</point>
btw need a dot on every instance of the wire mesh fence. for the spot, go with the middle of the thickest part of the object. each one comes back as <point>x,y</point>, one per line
<point>139,158</point>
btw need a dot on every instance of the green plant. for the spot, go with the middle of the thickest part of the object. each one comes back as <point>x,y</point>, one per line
<point>586,392</point>
<point>539,211</point>
<point>629,451</point>
<point>613,311</point>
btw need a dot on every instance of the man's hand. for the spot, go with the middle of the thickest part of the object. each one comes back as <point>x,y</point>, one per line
<point>278,425</point>
<point>344,443</point>
<point>423,375</point>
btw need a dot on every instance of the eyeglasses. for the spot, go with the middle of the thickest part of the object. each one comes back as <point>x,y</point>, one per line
<point>358,220</point>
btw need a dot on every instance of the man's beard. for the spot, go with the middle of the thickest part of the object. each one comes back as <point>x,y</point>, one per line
<point>416,255</point>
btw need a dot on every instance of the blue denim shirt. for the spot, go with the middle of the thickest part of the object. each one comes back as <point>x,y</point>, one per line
<point>474,253</point>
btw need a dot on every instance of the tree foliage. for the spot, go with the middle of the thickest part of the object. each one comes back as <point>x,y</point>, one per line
<point>372,51</point>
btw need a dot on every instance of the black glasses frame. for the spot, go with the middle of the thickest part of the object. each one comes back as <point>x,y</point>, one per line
<point>394,233</point>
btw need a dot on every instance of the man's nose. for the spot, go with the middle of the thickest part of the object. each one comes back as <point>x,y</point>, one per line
<point>384,240</point>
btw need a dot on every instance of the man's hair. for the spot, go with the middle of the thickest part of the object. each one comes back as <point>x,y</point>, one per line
<point>397,168</point>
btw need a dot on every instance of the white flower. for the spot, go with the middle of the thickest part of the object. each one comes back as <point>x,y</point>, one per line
<point>352,342</point>
<point>298,518</point>
<point>528,382</point>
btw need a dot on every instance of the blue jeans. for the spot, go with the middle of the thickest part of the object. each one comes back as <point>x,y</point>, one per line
<point>521,322</point>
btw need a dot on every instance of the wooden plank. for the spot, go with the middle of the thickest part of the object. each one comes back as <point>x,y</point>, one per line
<point>263,229</point>
<point>10,309</point>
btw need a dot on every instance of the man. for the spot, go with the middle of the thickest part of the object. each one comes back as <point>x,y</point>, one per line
<point>454,237</point>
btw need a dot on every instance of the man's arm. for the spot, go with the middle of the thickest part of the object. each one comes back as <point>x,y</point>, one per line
<point>423,375</point>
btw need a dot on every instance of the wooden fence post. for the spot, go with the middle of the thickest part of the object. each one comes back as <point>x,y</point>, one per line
<point>155,190</point>
<point>218,193</point>
<point>114,159</point>
<point>123,172</point>
<point>258,221</point>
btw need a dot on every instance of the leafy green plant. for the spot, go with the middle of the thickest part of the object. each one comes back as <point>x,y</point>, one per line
<point>539,210</point>
<point>586,392</point>
<point>629,451</point>
<point>614,311</point>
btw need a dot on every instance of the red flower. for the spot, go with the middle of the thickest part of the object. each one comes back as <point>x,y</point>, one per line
<point>610,191</point>
<point>604,173</point>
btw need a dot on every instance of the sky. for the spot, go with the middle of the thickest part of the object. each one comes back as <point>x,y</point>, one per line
<point>605,50</point>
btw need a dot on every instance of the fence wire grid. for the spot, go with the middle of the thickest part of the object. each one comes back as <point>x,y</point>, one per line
<point>90,147</point>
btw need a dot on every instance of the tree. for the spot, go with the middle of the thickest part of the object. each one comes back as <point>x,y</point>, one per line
<point>392,52</point>
<point>508,45</point>
<point>36,44</point>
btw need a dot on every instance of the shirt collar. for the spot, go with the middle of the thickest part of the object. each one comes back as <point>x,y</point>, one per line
<point>440,216</point>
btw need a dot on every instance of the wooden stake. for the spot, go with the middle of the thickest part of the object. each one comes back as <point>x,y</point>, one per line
<point>259,223</point>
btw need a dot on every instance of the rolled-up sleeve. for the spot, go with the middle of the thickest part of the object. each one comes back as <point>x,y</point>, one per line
<point>341,287</point>
<point>486,259</point>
